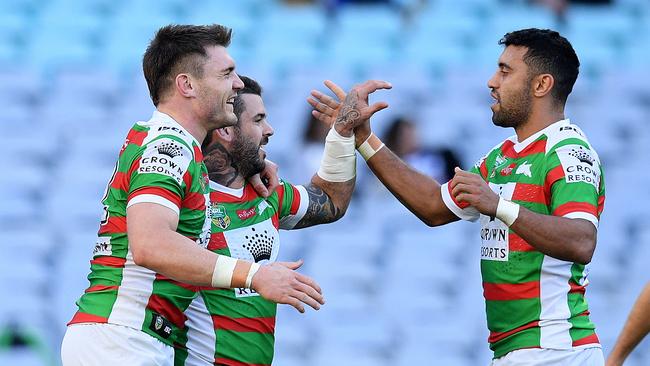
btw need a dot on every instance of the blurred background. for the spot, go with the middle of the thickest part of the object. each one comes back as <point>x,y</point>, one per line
<point>398,292</point>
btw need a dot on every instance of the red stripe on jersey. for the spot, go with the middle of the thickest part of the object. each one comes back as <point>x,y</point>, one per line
<point>136,137</point>
<point>109,261</point>
<point>483,169</point>
<point>459,204</point>
<point>160,277</point>
<point>497,336</point>
<point>570,207</point>
<point>536,147</point>
<point>228,362</point>
<point>601,204</point>
<point>187,179</point>
<point>222,197</point>
<point>553,176</point>
<point>275,221</point>
<point>194,201</point>
<point>257,325</point>
<point>170,312</point>
<point>80,317</point>
<point>295,204</point>
<point>508,149</point>
<point>508,291</point>
<point>115,224</point>
<point>529,193</point>
<point>517,244</point>
<point>217,241</point>
<point>584,313</point>
<point>591,339</point>
<point>576,288</point>
<point>121,182</point>
<point>198,154</point>
<point>158,191</point>
<point>97,288</point>
<point>281,192</point>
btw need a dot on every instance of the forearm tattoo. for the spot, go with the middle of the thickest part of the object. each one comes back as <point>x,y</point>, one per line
<point>321,209</point>
<point>221,166</point>
<point>349,115</point>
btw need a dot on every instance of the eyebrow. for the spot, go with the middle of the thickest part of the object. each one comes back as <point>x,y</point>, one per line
<point>228,70</point>
<point>503,65</point>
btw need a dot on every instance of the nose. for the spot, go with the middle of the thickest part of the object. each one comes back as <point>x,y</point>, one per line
<point>237,84</point>
<point>492,83</point>
<point>268,130</point>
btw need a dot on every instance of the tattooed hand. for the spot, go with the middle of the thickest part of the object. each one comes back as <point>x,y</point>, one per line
<point>355,108</point>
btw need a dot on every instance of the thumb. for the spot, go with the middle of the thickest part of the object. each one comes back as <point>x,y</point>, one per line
<point>292,265</point>
<point>377,107</point>
<point>258,185</point>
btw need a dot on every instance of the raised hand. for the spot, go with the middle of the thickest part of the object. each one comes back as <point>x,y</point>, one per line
<point>280,283</point>
<point>267,181</point>
<point>354,110</point>
<point>471,189</point>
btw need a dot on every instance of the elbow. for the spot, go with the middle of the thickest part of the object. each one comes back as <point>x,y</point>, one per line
<point>432,221</point>
<point>142,255</point>
<point>586,252</point>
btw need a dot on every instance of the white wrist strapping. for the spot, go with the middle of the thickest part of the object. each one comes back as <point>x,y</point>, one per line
<point>223,271</point>
<point>251,272</point>
<point>370,146</point>
<point>507,211</point>
<point>339,159</point>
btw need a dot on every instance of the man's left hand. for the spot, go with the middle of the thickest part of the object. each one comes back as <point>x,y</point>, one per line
<point>267,181</point>
<point>472,189</point>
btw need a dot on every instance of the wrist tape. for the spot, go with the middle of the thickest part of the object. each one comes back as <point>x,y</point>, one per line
<point>339,159</point>
<point>370,147</point>
<point>507,211</point>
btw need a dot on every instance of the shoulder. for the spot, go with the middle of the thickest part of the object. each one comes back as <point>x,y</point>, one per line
<point>565,134</point>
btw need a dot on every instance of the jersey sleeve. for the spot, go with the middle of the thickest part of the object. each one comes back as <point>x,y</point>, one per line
<point>293,203</point>
<point>157,175</point>
<point>575,182</point>
<point>462,209</point>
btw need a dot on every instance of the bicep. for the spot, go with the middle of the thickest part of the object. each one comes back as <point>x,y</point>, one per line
<point>147,220</point>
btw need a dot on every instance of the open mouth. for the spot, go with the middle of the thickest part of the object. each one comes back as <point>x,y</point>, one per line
<point>231,100</point>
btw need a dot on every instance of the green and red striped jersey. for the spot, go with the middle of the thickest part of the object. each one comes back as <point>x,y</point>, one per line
<point>236,326</point>
<point>160,162</point>
<point>534,300</point>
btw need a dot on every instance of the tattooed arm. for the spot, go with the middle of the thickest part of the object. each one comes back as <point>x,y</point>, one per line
<point>328,201</point>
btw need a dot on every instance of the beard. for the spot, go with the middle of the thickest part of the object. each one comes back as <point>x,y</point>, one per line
<point>246,155</point>
<point>516,111</point>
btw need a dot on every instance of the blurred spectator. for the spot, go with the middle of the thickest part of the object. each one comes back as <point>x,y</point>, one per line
<point>20,346</point>
<point>311,152</point>
<point>402,138</point>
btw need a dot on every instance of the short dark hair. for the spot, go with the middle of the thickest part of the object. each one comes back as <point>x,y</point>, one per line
<point>548,53</point>
<point>250,87</point>
<point>176,49</point>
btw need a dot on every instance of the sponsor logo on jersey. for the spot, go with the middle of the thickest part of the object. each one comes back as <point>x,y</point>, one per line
<point>164,157</point>
<point>262,206</point>
<point>175,129</point>
<point>246,214</point>
<point>524,169</point>
<point>507,170</point>
<point>494,237</point>
<point>260,244</point>
<point>160,325</point>
<point>245,292</point>
<point>579,165</point>
<point>571,128</point>
<point>103,246</point>
<point>219,215</point>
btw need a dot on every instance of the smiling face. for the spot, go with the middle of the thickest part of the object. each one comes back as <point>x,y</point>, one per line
<point>217,89</point>
<point>251,133</point>
<point>511,88</point>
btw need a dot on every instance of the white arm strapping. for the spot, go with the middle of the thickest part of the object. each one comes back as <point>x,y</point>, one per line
<point>224,268</point>
<point>339,162</point>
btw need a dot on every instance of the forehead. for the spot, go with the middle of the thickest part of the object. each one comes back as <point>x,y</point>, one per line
<point>253,105</point>
<point>218,58</point>
<point>513,55</point>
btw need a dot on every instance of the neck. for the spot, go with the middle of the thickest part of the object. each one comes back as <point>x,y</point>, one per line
<point>222,168</point>
<point>185,118</point>
<point>537,122</point>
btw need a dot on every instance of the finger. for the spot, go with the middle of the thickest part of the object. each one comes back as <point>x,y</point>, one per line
<point>321,107</point>
<point>322,117</point>
<point>306,299</point>
<point>309,282</point>
<point>292,265</point>
<point>294,302</point>
<point>260,188</point>
<point>464,197</point>
<point>337,90</point>
<point>376,108</point>
<point>310,292</point>
<point>326,99</point>
<point>273,182</point>
<point>371,86</point>
<point>462,188</point>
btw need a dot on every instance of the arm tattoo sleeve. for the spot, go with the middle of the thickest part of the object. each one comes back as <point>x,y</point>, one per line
<point>321,209</point>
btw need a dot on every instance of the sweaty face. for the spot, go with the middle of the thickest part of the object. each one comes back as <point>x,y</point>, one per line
<point>511,89</point>
<point>252,132</point>
<point>217,89</point>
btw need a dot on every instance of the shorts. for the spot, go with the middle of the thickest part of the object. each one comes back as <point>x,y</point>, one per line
<point>94,344</point>
<point>592,356</point>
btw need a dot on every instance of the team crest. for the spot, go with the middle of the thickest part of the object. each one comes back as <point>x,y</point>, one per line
<point>219,216</point>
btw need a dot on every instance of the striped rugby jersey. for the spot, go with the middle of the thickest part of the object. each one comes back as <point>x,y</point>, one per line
<point>160,162</point>
<point>236,326</point>
<point>534,300</point>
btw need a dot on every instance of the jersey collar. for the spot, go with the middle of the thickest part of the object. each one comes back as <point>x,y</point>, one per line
<point>520,146</point>
<point>235,192</point>
<point>165,118</point>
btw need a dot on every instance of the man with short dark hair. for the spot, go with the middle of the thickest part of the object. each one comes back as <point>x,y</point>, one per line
<point>538,196</point>
<point>151,254</point>
<point>236,326</point>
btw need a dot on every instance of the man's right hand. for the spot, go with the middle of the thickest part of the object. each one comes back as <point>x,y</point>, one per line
<point>280,283</point>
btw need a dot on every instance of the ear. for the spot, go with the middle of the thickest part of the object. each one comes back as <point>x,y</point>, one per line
<point>542,85</point>
<point>184,85</point>
<point>225,135</point>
